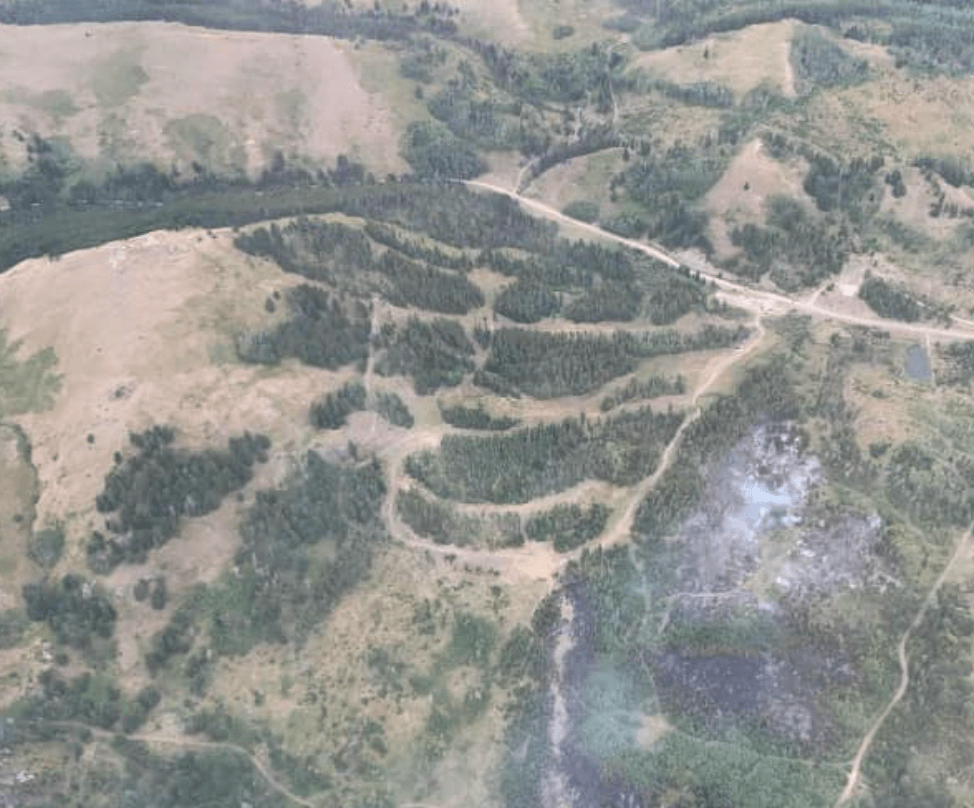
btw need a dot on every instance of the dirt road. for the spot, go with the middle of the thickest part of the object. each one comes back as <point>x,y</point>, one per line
<point>622,527</point>
<point>904,661</point>
<point>187,743</point>
<point>756,300</point>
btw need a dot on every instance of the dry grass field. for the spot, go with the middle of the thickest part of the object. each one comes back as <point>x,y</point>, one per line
<point>145,347</point>
<point>741,61</point>
<point>917,115</point>
<point>740,195</point>
<point>173,94</point>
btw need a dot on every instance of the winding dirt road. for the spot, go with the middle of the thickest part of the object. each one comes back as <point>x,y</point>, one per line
<point>622,527</point>
<point>904,661</point>
<point>756,300</point>
<point>188,743</point>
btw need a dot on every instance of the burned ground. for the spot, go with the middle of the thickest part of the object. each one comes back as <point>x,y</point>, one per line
<point>749,566</point>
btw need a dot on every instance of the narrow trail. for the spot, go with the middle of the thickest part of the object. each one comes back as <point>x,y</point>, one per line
<point>534,560</point>
<point>520,185</point>
<point>904,662</point>
<point>788,80</point>
<point>538,560</point>
<point>622,527</point>
<point>188,743</point>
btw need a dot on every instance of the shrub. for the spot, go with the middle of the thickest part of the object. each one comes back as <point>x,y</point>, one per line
<point>46,546</point>
<point>582,210</point>
<point>476,418</point>
<point>333,410</point>
<point>526,302</point>
<point>391,407</point>
<point>76,610</point>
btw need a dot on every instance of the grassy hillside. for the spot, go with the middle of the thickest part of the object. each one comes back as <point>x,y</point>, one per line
<point>637,471</point>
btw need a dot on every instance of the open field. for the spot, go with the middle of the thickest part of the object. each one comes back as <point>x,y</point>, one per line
<point>741,61</point>
<point>917,115</point>
<point>740,195</point>
<point>162,308</point>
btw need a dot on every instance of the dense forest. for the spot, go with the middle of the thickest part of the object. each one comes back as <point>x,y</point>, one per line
<point>343,256</point>
<point>888,300</point>
<point>281,16</point>
<point>477,417</point>
<point>549,365</point>
<point>796,249</point>
<point>77,612</point>
<point>148,493</point>
<point>818,61</point>
<point>444,524</point>
<point>48,216</point>
<point>320,330</point>
<point>567,526</point>
<point>522,465</point>
<point>527,302</point>
<point>436,354</point>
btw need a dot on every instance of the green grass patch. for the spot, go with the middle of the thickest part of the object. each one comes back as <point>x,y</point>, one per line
<point>27,384</point>
<point>117,78</point>
<point>199,137</point>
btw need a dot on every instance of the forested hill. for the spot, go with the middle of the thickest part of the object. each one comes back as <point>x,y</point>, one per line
<point>929,33</point>
<point>278,16</point>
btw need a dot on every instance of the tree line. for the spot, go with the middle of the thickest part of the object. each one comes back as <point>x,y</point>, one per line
<point>279,16</point>
<point>340,255</point>
<point>549,365</point>
<point>320,330</point>
<point>148,493</point>
<point>435,354</point>
<point>522,465</point>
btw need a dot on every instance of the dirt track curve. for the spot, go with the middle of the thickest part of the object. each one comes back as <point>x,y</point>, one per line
<point>189,743</point>
<point>904,661</point>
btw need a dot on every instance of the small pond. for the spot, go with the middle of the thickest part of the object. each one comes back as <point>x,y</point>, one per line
<point>917,364</point>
